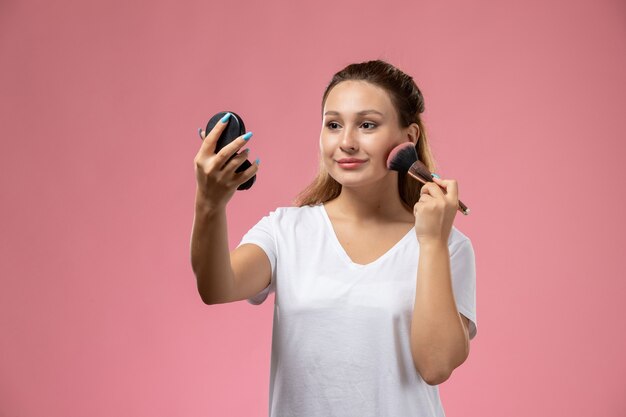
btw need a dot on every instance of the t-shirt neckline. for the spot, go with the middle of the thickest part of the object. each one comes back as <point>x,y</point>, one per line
<point>342,252</point>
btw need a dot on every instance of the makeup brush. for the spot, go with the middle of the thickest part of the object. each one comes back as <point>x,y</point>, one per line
<point>403,158</point>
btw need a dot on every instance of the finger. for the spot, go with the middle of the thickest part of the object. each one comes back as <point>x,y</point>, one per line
<point>425,198</point>
<point>433,190</point>
<point>424,188</point>
<point>210,140</point>
<point>424,201</point>
<point>237,160</point>
<point>229,150</point>
<point>246,174</point>
<point>451,187</point>
<point>440,182</point>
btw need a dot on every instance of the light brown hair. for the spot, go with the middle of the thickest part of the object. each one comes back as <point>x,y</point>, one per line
<point>408,102</point>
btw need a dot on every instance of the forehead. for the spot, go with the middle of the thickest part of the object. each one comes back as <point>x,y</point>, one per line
<point>353,96</point>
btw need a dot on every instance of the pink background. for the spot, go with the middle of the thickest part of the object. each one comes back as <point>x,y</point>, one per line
<point>99,108</point>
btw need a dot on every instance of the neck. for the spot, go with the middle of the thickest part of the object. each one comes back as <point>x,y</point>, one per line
<point>372,202</point>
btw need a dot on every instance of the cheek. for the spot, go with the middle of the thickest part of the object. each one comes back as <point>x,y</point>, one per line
<point>377,147</point>
<point>325,146</point>
<point>384,143</point>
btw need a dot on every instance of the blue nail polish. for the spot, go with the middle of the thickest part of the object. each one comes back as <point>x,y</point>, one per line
<point>247,136</point>
<point>258,161</point>
<point>200,132</point>
<point>225,118</point>
<point>435,175</point>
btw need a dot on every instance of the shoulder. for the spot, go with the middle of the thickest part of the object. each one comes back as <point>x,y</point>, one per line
<point>293,211</point>
<point>290,215</point>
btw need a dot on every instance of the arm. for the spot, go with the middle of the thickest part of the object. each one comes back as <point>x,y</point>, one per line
<point>216,183</point>
<point>210,257</point>
<point>439,333</point>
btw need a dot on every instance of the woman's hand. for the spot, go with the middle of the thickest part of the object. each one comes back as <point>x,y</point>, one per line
<point>435,210</point>
<point>216,179</point>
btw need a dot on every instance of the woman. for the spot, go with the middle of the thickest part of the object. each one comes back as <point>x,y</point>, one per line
<point>375,287</point>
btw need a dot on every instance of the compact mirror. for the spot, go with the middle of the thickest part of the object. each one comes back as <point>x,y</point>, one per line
<point>233,130</point>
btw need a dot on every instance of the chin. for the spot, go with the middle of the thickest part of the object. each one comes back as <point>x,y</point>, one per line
<point>355,179</point>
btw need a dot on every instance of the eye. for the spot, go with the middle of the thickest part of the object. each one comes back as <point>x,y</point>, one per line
<point>331,125</point>
<point>369,123</point>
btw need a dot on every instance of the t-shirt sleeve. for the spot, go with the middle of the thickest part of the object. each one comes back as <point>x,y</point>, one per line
<point>262,234</point>
<point>463,271</point>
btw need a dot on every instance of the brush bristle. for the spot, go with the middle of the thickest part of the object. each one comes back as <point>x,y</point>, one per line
<point>402,157</point>
<point>418,168</point>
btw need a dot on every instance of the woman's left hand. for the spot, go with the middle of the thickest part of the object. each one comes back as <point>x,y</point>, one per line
<point>435,210</point>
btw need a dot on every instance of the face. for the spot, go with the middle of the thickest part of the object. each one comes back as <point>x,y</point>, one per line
<point>359,129</point>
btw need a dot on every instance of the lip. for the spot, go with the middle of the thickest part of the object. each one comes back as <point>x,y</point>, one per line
<point>350,163</point>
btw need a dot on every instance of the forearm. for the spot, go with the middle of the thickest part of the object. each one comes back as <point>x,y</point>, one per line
<point>210,255</point>
<point>439,342</point>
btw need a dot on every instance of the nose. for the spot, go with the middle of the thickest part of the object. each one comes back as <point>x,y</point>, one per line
<point>349,140</point>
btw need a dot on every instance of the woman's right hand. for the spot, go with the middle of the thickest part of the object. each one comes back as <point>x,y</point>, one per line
<point>217,180</point>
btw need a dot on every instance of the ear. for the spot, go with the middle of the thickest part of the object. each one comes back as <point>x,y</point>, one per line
<point>413,133</point>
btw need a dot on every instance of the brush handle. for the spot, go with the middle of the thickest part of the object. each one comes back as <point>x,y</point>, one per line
<point>461,207</point>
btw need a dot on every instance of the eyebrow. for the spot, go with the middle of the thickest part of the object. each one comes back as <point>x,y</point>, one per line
<point>362,112</point>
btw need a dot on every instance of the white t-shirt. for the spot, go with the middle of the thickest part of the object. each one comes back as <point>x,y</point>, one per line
<point>340,341</point>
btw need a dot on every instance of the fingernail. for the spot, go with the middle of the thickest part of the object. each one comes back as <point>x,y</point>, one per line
<point>200,132</point>
<point>258,161</point>
<point>435,175</point>
<point>247,136</point>
<point>225,118</point>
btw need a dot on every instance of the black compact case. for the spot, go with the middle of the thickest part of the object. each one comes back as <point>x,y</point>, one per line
<point>233,130</point>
